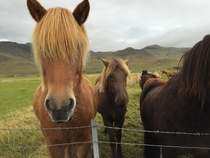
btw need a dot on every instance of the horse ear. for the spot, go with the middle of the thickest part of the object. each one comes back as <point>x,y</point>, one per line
<point>36,10</point>
<point>106,62</point>
<point>81,12</point>
<point>126,61</point>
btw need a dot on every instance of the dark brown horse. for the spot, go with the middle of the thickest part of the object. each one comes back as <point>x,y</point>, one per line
<point>113,100</point>
<point>181,105</point>
<point>168,73</point>
<point>144,77</point>
<point>64,103</point>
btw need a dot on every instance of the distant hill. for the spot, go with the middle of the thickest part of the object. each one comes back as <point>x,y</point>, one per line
<point>17,59</point>
<point>152,57</point>
<point>16,49</point>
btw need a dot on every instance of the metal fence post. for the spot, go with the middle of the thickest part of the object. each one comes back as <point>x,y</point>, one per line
<point>95,139</point>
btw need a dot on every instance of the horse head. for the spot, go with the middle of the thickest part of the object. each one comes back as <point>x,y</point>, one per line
<point>116,74</point>
<point>60,46</point>
<point>144,77</point>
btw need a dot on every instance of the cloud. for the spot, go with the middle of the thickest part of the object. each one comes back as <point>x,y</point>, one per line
<point>116,24</point>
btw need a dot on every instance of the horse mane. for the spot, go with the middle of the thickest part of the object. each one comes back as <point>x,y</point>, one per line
<point>57,36</point>
<point>115,63</point>
<point>195,72</point>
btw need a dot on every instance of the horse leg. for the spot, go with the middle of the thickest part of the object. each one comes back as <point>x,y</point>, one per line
<point>201,153</point>
<point>83,150</point>
<point>118,137</point>
<point>151,151</point>
<point>56,151</point>
<point>105,131</point>
<point>111,135</point>
<point>68,151</point>
<point>169,153</point>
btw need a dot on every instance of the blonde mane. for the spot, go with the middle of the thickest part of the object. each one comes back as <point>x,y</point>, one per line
<point>115,63</point>
<point>57,36</point>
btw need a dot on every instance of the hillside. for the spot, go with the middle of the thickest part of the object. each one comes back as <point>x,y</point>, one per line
<point>17,59</point>
<point>152,57</point>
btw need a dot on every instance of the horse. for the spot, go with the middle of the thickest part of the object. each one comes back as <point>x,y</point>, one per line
<point>113,99</point>
<point>157,74</point>
<point>65,101</point>
<point>151,80</point>
<point>178,111</point>
<point>144,77</point>
<point>168,73</point>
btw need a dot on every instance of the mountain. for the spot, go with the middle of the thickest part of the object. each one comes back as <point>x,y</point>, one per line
<point>17,59</point>
<point>15,49</point>
<point>152,57</point>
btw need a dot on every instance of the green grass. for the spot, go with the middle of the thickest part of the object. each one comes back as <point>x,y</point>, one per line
<point>16,94</point>
<point>19,134</point>
<point>16,112</point>
<point>23,140</point>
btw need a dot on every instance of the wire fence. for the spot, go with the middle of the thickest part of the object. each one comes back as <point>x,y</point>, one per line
<point>115,128</point>
<point>101,142</point>
<point>129,145</point>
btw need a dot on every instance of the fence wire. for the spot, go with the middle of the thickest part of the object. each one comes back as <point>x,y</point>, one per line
<point>115,128</point>
<point>107,142</point>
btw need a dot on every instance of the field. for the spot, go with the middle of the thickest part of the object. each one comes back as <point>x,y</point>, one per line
<point>19,129</point>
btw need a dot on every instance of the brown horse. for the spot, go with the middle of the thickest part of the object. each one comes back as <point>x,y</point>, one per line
<point>144,77</point>
<point>113,100</point>
<point>181,105</point>
<point>64,102</point>
<point>157,74</point>
<point>168,73</point>
<point>151,80</point>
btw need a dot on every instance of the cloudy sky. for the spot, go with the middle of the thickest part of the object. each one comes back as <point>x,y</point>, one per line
<point>116,24</point>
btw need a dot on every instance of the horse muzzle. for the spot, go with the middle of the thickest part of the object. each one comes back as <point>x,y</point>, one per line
<point>60,111</point>
<point>120,103</point>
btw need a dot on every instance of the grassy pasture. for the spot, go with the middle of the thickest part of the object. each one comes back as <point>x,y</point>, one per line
<point>24,139</point>
<point>20,136</point>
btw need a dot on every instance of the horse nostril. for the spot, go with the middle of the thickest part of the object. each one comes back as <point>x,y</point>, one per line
<point>71,104</point>
<point>47,104</point>
<point>120,101</point>
<point>117,100</point>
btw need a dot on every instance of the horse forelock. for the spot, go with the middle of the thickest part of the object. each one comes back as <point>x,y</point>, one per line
<point>195,72</point>
<point>115,63</point>
<point>57,36</point>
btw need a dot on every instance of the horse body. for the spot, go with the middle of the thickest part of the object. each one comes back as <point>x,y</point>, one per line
<point>168,73</point>
<point>113,100</point>
<point>179,105</point>
<point>151,80</point>
<point>65,102</point>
